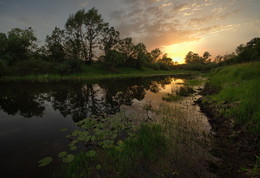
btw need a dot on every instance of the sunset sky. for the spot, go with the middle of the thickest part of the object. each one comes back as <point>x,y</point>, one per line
<point>174,26</point>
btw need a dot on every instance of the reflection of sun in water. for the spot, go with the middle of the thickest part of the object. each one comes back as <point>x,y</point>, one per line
<point>178,51</point>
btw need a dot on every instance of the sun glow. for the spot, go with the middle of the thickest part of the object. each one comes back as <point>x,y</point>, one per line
<point>178,51</point>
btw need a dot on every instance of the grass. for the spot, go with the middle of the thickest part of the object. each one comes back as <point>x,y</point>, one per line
<point>95,72</point>
<point>170,97</point>
<point>194,82</point>
<point>238,96</point>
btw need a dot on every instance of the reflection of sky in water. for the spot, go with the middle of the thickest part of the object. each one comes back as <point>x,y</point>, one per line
<point>185,105</point>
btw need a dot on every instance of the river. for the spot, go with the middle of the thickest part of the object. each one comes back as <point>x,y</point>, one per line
<point>33,115</point>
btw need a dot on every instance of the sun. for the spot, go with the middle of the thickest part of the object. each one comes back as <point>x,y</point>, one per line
<point>178,51</point>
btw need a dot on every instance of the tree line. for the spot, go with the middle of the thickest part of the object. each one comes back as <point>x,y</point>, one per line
<point>244,53</point>
<point>86,39</point>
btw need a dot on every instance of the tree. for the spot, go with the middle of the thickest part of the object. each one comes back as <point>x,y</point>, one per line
<point>85,31</point>
<point>166,60</point>
<point>76,44</point>
<point>94,25</point>
<point>3,45</point>
<point>156,53</point>
<point>141,54</point>
<point>218,58</point>
<point>17,45</point>
<point>194,58</point>
<point>110,39</point>
<point>126,47</point>
<point>55,45</point>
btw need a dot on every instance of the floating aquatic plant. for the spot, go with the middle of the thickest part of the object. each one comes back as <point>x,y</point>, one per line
<point>45,161</point>
<point>68,158</point>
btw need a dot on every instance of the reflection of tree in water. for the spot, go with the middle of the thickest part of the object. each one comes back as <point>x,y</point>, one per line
<point>20,100</point>
<point>78,99</point>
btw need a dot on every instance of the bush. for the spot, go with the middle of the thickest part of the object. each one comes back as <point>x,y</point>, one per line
<point>32,67</point>
<point>185,91</point>
<point>69,66</point>
<point>3,69</point>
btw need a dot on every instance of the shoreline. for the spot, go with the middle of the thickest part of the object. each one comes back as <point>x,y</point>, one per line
<point>236,151</point>
<point>51,77</point>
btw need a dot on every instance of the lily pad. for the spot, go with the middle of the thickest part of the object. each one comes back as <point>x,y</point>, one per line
<point>64,129</point>
<point>62,154</point>
<point>73,147</point>
<point>45,161</point>
<point>91,153</point>
<point>69,158</point>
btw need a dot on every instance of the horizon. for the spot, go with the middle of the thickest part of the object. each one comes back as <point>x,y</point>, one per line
<point>176,27</point>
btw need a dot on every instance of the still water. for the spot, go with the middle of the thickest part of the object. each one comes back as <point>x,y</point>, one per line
<point>33,114</point>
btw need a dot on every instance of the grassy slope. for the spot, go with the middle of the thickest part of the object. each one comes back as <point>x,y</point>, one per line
<point>95,72</point>
<point>239,95</point>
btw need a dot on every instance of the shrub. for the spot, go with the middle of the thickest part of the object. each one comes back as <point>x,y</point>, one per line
<point>69,66</point>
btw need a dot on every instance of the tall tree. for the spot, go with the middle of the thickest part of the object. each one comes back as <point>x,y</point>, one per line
<point>76,36</point>
<point>94,25</point>
<point>84,31</point>
<point>156,53</point>
<point>194,58</point>
<point>55,45</point>
<point>110,39</point>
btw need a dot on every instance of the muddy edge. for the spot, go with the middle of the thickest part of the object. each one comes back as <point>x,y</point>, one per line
<point>235,148</point>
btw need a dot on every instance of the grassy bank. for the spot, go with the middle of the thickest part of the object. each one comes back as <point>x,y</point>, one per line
<point>235,92</point>
<point>232,100</point>
<point>95,72</point>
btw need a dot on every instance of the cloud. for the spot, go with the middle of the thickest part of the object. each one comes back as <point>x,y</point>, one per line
<point>164,22</point>
<point>82,3</point>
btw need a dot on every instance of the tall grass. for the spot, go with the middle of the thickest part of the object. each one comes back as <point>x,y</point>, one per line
<point>239,95</point>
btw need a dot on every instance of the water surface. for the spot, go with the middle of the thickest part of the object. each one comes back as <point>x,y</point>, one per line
<point>32,114</point>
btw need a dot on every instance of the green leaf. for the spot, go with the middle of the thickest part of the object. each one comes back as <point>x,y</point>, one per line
<point>73,147</point>
<point>98,167</point>
<point>62,154</point>
<point>45,161</point>
<point>64,129</point>
<point>69,158</point>
<point>243,169</point>
<point>91,153</point>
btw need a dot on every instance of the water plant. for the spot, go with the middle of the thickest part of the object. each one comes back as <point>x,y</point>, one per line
<point>185,91</point>
<point>170,97</point>
<point>45,161</point>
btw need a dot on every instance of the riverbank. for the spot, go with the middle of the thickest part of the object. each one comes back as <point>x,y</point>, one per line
<point>232,102</point>
<point>95,73</point>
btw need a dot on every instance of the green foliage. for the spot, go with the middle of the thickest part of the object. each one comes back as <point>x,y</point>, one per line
<point>185,91</point>
<point>239,86</point>
<point>45,161</point>
<point>69,66</point>
<point>91,153</point>
<point>194,82</point>
<point>85,33</point>
<point>114,59</point>
<point>32,67</point>
<point>194,58</point>
<point>17,45</point>
<point>68,158</point>
<point>55,45</point>
<point>62,154</point>
<point>170,97</point>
